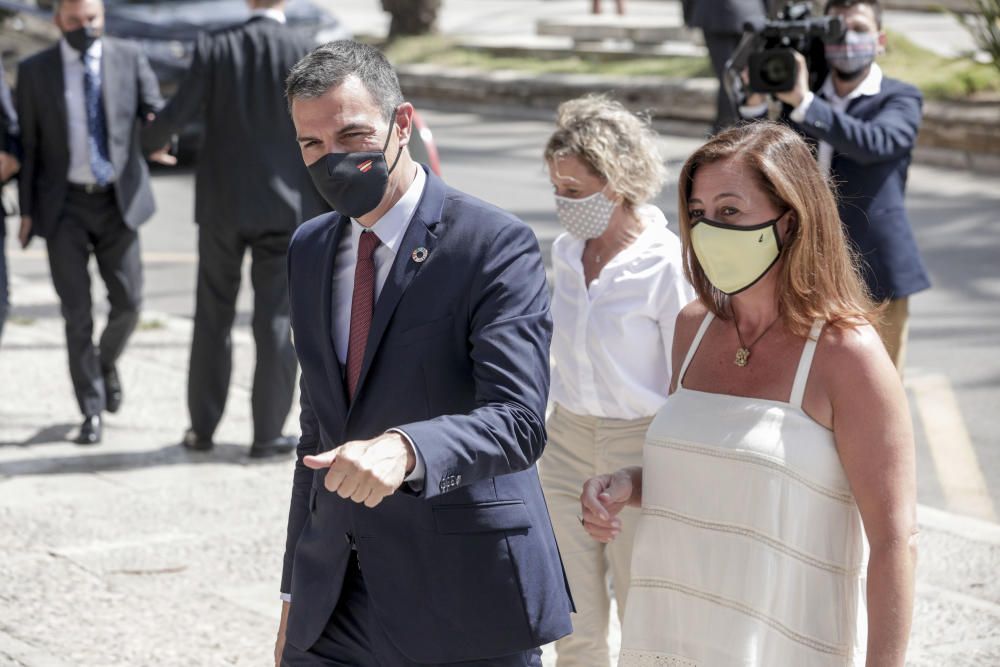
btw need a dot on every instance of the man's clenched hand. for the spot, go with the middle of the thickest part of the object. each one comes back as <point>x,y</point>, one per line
<point>366,471</point>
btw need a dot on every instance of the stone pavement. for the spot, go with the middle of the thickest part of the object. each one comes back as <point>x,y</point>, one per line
<point>138,553</point>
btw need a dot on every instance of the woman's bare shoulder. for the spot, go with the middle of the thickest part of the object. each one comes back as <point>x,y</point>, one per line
<point>850,355</point>
<point>692,314</point>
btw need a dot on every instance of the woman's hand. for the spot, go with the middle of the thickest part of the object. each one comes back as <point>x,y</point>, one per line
<point>603,498</point>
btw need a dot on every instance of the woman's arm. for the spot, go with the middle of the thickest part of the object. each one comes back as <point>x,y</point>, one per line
<point>872,428</point>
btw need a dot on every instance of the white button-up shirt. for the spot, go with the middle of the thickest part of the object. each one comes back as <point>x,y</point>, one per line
<point>871,85</point>
<point>76,109</point>
<point>612,339</point>
<point>389,229</point>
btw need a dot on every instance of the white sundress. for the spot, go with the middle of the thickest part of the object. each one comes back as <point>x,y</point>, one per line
<point>750,549</point>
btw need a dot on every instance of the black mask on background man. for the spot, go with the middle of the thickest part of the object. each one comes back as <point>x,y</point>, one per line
<point>83,38</point>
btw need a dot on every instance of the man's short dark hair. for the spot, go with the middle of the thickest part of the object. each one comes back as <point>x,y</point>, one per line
<point>329,65</point>
<point>847,4</point>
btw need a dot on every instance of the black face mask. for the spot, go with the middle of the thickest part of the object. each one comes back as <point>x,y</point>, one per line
<point>354,183</point>
<point>83,38</point>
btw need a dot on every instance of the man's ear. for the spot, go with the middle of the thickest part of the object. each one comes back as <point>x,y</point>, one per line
<point>404,123</point>
<point>883,42</point>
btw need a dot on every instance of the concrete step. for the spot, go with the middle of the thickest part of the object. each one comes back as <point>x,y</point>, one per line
<point>641,31</point>
<point>552,47</point>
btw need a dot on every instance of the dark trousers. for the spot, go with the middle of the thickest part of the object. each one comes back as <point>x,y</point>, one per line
<point>92,224</point>
<point>353,637</point>
<point>220,259</point>
<point>720,47</point>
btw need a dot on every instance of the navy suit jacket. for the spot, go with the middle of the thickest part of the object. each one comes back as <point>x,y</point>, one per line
<point>250,175</point>
<point>872,148</point>
<point>458,359</point>
<point>722,16</point>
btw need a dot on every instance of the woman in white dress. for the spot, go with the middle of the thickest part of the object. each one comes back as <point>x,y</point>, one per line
<point>618,283</point>
<point>785,448</point>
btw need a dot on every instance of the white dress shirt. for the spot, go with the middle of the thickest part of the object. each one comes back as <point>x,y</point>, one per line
<point>389,229</point>
<point>76,109</point>
<point>871,85</point>
<point>612,339</point>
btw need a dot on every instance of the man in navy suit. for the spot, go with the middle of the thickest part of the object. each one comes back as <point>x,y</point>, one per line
<point>864,126</point>
<point>418,533</point>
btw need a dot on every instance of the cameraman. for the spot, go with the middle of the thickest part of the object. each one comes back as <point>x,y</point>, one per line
<point>864,126</point>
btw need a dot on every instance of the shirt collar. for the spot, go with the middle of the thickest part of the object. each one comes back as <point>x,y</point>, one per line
<point>870,85</point>
<point>69,54</point>
<point>391,226</point>
<point>271,13</point>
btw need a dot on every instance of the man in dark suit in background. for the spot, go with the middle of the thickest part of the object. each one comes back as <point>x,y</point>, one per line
<point>251,192</point>
<point>10,164</point>
<point>418,533</point>
<point>721,23</point>
<point>84,187</point>
<point>864,126</point>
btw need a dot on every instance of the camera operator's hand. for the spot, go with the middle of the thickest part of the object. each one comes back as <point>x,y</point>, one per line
<point>794,97</point>
<point>752,99</point>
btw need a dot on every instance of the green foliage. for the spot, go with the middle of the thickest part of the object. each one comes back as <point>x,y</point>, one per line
<point>938,77</point>
<point>985,27</point>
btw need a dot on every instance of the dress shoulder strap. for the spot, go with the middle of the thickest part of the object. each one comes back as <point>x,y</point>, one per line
<point>709,316</point>
<point>805,364</point>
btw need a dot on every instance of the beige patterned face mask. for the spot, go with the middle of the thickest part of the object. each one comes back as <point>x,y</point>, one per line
<point>587,217</point>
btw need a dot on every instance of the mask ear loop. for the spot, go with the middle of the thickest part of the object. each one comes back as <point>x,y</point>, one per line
<point>793,226</point>
<point>399,153</point>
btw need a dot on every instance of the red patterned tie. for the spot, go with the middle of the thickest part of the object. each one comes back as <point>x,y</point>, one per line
<point>362,305</point>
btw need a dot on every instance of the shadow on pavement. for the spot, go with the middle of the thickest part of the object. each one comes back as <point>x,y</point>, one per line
<point>57,433</point>
<point>172,454</point>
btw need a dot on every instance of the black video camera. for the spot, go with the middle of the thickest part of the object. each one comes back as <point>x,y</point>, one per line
<point>767,51</point>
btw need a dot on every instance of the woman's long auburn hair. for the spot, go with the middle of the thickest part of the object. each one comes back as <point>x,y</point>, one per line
<point>819,274</point>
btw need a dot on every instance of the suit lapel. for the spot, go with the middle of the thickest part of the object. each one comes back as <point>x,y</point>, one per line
<point>334,372</point>
<point>57,93</point>
<point>109,70</point>
<point>404,268</point>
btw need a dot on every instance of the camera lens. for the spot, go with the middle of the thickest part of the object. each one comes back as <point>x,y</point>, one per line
<point>775,71</point>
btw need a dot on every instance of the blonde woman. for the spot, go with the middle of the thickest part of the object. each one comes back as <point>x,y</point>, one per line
<point>618,288</point>
<point>785,448</point>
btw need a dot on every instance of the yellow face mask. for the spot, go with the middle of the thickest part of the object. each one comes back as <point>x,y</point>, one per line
<point>735,257</point>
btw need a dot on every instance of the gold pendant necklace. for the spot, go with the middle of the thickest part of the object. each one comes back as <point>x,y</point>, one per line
<point>743,352</point>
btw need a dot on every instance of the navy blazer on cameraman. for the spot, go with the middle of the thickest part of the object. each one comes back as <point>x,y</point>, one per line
<point>872,148</point>
<point>457,358</point>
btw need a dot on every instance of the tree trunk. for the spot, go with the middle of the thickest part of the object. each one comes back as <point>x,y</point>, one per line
<point>412,17</point>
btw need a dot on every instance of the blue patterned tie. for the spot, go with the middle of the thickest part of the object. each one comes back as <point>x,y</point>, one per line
<point>97,132</point>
